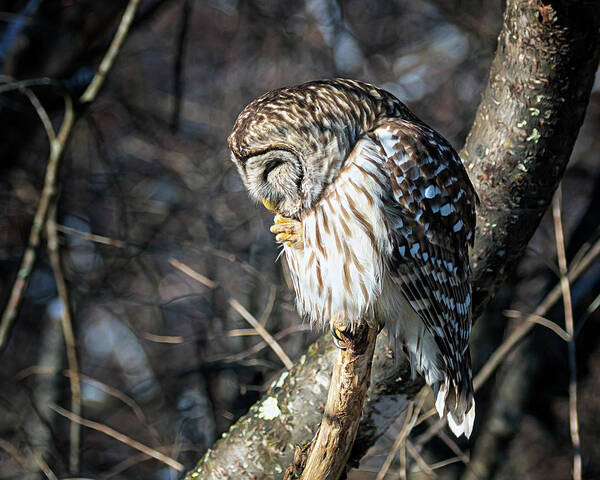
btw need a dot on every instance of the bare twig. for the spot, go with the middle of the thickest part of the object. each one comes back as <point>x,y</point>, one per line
<point>91,236</point>
<point>133,460</point>
<point>109,57</point>
<point>41,112</point>
<point>69,336</point>
<point>14,452</point>
<point>16,294</point>
<point>44,467</point>
<point>568,308</point>
<point>266,336</point>
<point>549,324</point>
<point>10,85</point>
<point>151,452</point>
<point>112,391</point>
<point>172,339</point>
<point>410,420</point>
<point>270,304</point>
<point>190,272</point>
<point>520,332</point>
<point>454,447</point>
<point>414,453</point>
<point>238,307</point>
<point>398,445</point>
<point>443,463</point>
<point>262,345</point>
<point>588,313</point>
<point>56,150</point>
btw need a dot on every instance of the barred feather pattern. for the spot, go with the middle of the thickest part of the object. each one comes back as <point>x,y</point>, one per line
<point>377,250</point>
<point>388,214</point>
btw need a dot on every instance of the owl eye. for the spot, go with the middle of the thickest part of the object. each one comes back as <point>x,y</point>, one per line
<point>272,165</point>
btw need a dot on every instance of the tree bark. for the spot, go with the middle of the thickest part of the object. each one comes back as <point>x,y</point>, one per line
<point>520,143</point>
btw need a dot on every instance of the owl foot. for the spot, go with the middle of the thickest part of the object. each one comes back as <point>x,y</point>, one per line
<point>351,338</point>
<point>338,340</point>
<point>288,231</point>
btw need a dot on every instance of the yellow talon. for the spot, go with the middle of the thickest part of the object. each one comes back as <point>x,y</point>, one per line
<point>282,237</point>
<point>287,231</point>
<point>269,205</point>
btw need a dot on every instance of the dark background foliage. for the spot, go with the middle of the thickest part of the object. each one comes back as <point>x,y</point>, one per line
<point>147,167</point>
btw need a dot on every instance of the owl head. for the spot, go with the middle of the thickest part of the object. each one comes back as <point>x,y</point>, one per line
<point>289,144</point>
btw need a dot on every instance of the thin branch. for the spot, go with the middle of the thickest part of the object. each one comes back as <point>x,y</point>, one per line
<point>105,65</point>
<point>112,391</point>
<point>520,332</point>
<point>99,427</point>
<point>190,272</point>
<point>588,313</point>
<point>266,336</point>
<point>28,261</point>
<point>454,447</point>
<point>238,307</point>
<point>414,453</point>
<point>568,308</point>
<point>410,421</point>
<point>171,339</point>
<point>398,445</point>
<point>270,304</point>
<point>236,357</point>
<point>68,334</point>
<point>442,463</point>
<point>10,85</point>
<point>44,467</point>
<point>41,112</point>
<point>14,452</point>
<point>56,150</point>
<point>91,236</point>
<point>136,459</point>
<point>549,324</point>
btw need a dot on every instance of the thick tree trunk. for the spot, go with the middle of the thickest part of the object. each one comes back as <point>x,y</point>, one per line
<point>526,125</point>
<point>516,153</point>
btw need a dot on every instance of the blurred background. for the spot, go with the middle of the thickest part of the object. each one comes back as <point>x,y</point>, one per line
<point>146,182</point>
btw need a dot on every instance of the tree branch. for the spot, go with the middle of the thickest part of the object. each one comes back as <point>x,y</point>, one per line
<point>516,153</point>
<point>57,146</point>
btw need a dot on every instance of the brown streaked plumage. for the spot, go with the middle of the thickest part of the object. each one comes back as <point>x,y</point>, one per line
<point>387,214</point>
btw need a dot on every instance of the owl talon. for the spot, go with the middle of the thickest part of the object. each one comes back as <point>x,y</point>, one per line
<point>287,231</point>
<point>338,341</point>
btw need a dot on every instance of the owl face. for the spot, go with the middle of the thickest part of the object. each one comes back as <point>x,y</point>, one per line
<point>275,178</point>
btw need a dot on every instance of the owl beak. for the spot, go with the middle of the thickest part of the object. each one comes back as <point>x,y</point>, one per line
<point>269,205</point>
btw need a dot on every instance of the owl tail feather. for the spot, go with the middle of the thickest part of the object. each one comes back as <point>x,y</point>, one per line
<point>457,404</point>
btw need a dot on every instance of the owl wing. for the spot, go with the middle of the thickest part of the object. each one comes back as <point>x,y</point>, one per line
<point>432,222</point>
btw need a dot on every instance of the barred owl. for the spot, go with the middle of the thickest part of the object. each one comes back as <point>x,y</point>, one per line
<point>376,214</point>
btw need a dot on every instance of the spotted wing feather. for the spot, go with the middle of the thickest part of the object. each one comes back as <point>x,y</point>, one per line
<point>432,224</point>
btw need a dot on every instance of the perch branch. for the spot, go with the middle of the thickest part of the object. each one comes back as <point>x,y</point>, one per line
<point>350,380</point>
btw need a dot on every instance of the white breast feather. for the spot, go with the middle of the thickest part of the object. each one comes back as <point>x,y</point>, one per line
<point>354,299</point>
